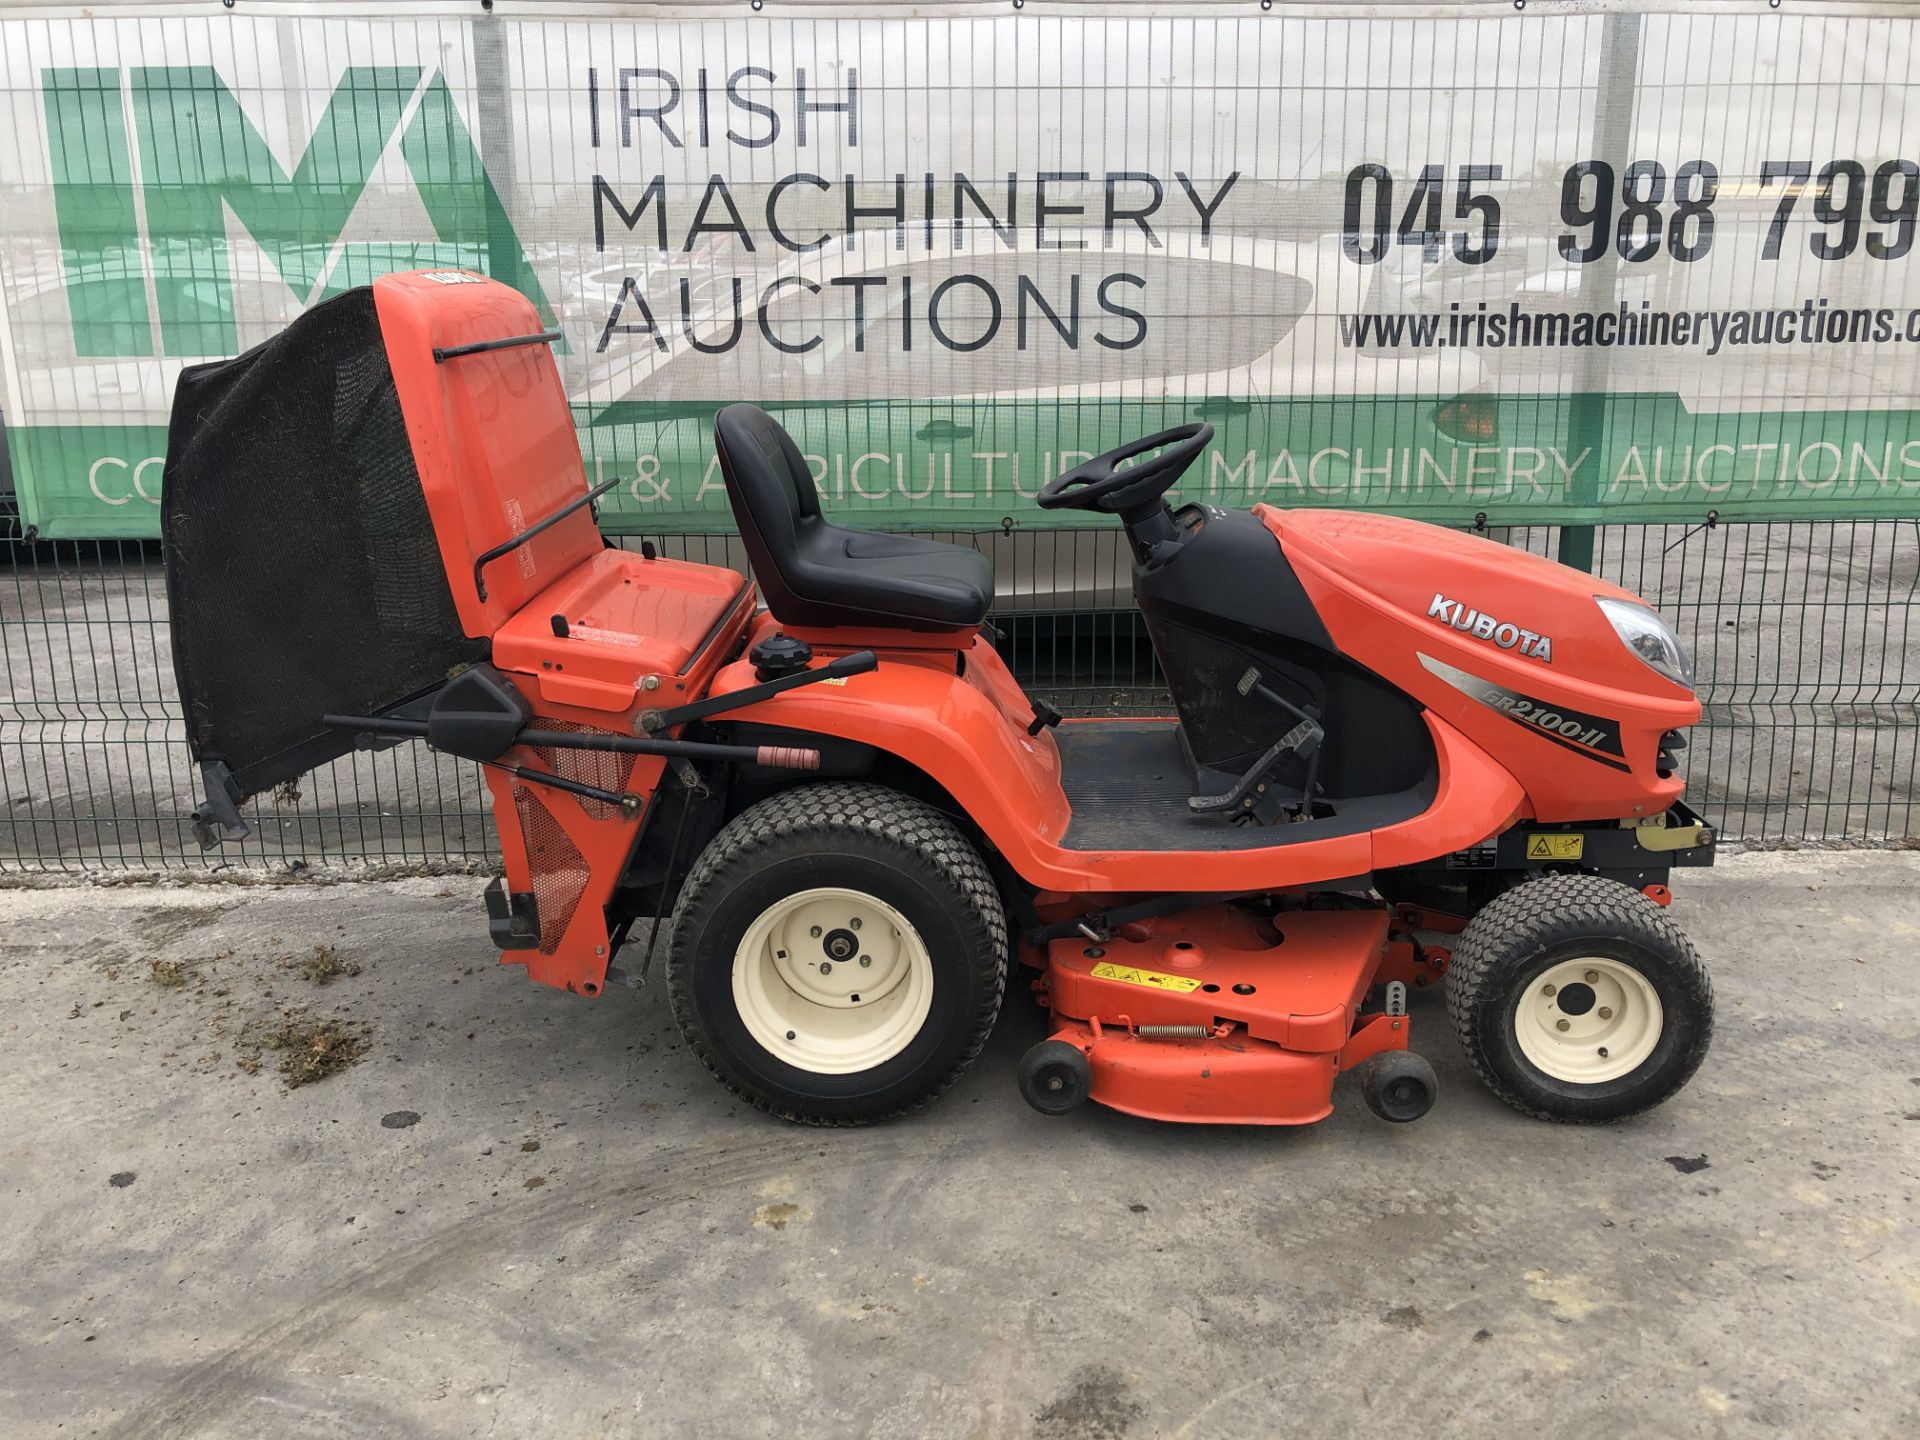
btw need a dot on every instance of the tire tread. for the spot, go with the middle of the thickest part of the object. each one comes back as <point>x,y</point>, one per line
<point>861,809</point>
<point>1535,914</point>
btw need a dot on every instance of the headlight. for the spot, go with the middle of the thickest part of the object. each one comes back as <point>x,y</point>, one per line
<point>1649,637</point>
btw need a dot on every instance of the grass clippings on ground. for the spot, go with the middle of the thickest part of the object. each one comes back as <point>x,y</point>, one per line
<point>311,1050</point>
<point>324,966</point>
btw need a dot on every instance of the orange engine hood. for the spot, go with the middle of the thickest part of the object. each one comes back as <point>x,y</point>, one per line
<point>1509,647</point>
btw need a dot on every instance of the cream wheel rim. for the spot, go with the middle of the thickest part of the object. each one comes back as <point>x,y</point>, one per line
<point>1588,1021</point>
<point>832,981</point>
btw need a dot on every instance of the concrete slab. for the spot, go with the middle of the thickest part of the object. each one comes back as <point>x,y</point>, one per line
<point>527,1213</point>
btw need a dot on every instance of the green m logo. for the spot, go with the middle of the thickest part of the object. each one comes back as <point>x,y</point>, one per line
<point>200,156</point>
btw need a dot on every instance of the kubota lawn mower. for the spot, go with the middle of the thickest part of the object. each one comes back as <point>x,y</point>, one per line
<point>850,820</point>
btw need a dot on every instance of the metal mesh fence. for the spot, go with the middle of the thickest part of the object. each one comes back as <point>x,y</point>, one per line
<point>1806,637</point>
<point>954,245</point>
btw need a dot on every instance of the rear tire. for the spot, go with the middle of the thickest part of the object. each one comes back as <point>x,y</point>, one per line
<point>1577,1000</point>
<point>839,954</point>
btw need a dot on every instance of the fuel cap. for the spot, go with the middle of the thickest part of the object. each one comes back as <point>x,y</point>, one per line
<point>779,655</point>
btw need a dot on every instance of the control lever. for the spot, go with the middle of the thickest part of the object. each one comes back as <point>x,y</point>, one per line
<point>656,722</point>
<point>1043,716</point>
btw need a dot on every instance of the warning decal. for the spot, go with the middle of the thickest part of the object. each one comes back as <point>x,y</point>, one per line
<point>1152,979</point>
<point>1556,847</point>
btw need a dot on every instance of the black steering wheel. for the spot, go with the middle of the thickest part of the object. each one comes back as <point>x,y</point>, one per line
<point>1108,484</point>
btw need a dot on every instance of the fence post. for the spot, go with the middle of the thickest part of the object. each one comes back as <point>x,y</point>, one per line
<point>1612,139</point>
<point>495,134</point>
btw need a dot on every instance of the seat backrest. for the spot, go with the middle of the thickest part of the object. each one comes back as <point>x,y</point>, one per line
<point>772,494</point>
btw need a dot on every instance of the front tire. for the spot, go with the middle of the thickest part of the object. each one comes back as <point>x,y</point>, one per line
<point>839,954</point>
<point>1577,1000</point>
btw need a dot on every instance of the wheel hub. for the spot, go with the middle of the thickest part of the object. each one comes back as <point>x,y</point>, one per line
<point>1575,999</point>
<point>832,980</point>
<point>1588,1021</point>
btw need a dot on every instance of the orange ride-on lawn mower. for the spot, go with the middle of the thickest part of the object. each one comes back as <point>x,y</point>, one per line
<point>850,820</point>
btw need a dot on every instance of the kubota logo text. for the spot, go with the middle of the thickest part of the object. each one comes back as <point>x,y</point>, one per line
<point>1481,626</point>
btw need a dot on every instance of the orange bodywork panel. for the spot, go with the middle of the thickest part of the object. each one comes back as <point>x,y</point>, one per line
<point>1456,622</point>
<point>961,718</point>
<point>492,437</point>
<point>956,714</point>
<point>634,628</point>
<point>493,441</point>
<point>568,852</point>
<point>641,633</point>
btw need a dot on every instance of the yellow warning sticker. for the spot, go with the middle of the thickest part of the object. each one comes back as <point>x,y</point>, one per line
<point>1556,847</point>
<point>1152,979</point>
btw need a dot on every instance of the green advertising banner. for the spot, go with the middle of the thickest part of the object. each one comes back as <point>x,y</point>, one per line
<point>1465,261</point>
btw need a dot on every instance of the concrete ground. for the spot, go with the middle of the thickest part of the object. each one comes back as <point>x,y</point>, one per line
<point>528,1213</point>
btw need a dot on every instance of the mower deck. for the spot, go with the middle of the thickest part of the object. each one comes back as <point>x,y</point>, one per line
<point>1128,782</point>
<point>1218,1016</point>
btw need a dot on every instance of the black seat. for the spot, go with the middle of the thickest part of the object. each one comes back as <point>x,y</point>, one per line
<point>814,573</point>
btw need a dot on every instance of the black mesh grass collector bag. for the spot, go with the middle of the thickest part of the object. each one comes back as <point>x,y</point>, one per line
<point>303,576</point>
